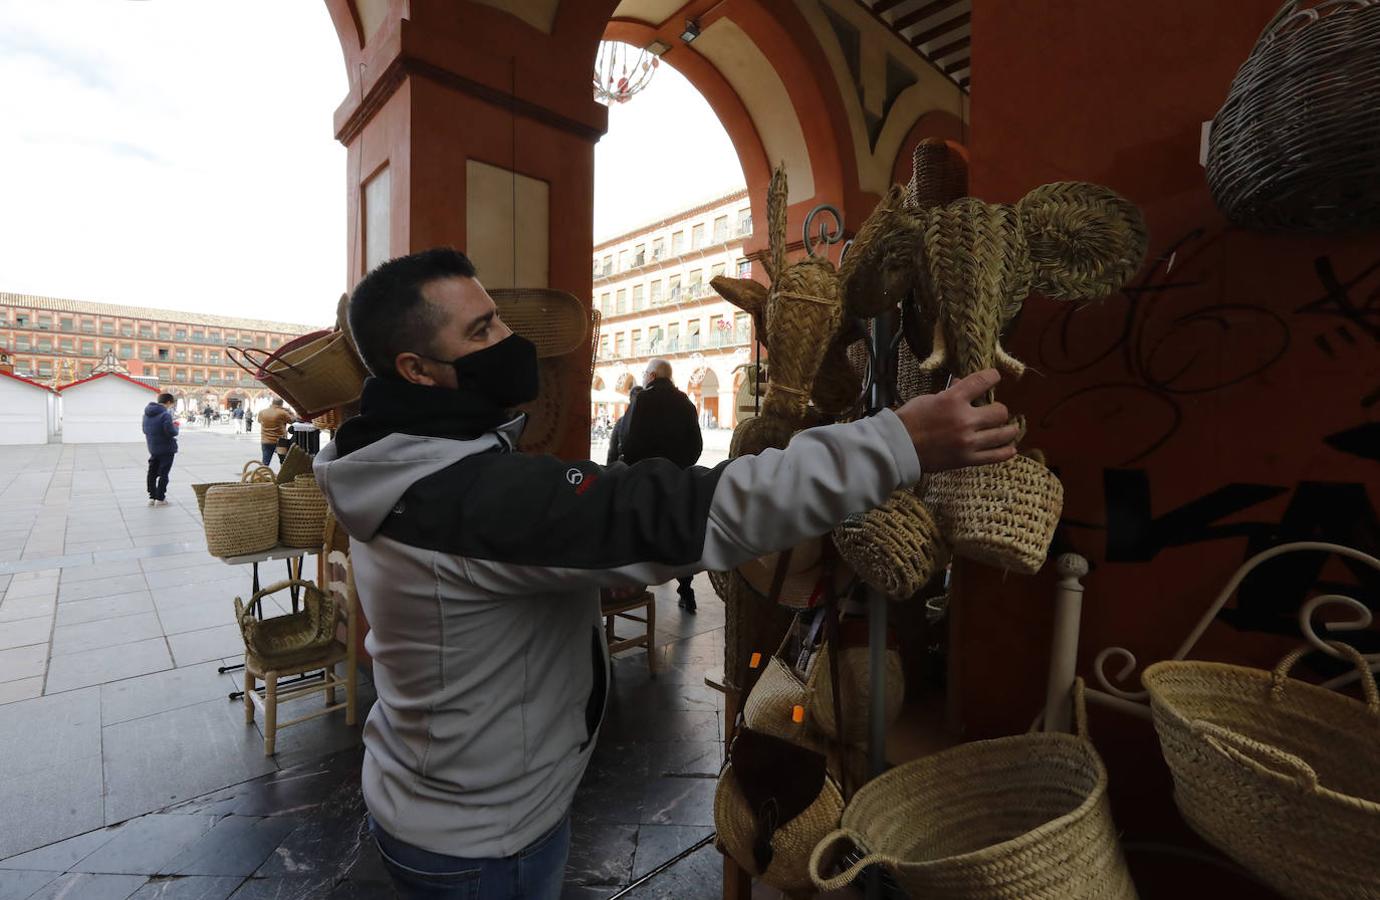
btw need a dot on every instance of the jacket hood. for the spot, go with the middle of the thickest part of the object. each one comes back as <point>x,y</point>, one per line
<point>363,486</point>
<point>154,409</point>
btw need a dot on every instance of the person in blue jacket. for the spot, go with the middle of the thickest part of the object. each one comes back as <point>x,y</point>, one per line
<point>160,433</point>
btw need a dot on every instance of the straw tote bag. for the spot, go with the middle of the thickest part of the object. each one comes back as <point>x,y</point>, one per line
<point>240,518</point>
<point>1281,775</point>
<point>314,373</point>
<point>1016,818</point>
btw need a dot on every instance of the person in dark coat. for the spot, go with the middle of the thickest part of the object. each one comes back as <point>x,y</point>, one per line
<point>619,434</point>
<point>160,433</point>
<point>663,424</point>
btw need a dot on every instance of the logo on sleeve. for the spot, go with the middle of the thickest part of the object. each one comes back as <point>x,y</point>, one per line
<point>574,476</point>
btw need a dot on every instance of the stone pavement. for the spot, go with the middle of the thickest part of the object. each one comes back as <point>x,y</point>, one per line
<point>126,772</point>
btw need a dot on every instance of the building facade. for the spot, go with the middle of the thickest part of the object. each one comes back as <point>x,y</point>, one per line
<point>56,341</point>
<point>651,287</point>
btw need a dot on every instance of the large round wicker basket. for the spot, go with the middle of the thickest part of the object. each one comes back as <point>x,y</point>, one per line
<point>791,844</point>
<point>1294,147</point>
<point>240,518</point>
<point>1281,775</point>
<point>301,513</point>
<point>1015,818</point>
<point>1002,514</point>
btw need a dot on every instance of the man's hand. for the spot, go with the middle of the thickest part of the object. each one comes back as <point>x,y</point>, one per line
<point>950,432</point>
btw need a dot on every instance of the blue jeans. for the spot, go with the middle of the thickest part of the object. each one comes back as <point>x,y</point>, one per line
<point>269,451</point>
<point>536,873</point>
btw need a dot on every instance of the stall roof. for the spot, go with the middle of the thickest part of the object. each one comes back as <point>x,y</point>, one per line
<point>42,387</point>
<point>107,375</point>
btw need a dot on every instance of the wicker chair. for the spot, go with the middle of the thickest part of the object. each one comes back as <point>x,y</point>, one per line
<point>622,604</point>
<point>270,670</point>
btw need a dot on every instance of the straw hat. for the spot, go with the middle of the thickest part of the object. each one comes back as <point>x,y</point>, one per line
<point>546,415</point>
<point>553,320</point>
<point>804,585</point>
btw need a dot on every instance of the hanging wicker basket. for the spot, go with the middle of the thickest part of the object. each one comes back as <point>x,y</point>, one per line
<point>895,548</point>
<point>314,373</point>
<point>282,641</point>
<point>1003,515</point>
<point>240,519</point>
<point>301,513</point>
<point>1281,775</point>
<point>855,690</point>
<point>1296,145</point>
<point>1015,818</point>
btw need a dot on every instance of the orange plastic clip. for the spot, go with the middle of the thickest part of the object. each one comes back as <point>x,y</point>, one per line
<point>797,714</point>
<point>755,661</point>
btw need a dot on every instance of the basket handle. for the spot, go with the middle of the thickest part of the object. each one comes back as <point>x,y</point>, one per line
<point>847,876</point>
<point>243,361</point>
<point>1280,676</point>
<point>269,357</point>
<point>1261,758</point>
<point>250,473</point>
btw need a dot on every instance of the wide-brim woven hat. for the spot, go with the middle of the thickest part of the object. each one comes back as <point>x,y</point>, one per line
<point>804,585</point>
<point>553,320</point>
<point>547,415</point>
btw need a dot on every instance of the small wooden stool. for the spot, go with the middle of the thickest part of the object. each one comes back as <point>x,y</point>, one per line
<point>618,603</point>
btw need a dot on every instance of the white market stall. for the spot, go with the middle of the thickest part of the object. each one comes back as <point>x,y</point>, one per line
<point>105,408</point>
<point>26,410</point>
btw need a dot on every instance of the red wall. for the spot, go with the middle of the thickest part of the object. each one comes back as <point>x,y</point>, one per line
<point>1231,405</point>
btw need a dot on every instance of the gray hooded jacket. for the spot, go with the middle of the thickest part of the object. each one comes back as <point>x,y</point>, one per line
<point>478,570</point>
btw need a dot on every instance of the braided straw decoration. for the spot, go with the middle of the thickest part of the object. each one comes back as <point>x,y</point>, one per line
<point>1003,515</point>
<point>301,513</point>
<point>1281,775</point>
<point>855,690</point>
<point>880,267</point>
<point>1085,241</point>
<point>978,273</point>
<point>791,844</point>
<point>895,548</point>
<point>240,518</point>
<point>752,436</point>
<point>938,175</point>
<point>1016,818</point>
<point>804,312</point>
<point>837,387</point>
<point>776,223</point>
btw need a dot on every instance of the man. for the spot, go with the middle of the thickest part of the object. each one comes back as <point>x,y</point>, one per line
<point>663,423</point>
<point>273,424</point>
<point>160,434</point>
<point>478,567</point>
<point>619,434</point>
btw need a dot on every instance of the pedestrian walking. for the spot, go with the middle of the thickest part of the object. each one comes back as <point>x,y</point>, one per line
<point>160,433</point>
<point>273,424</point>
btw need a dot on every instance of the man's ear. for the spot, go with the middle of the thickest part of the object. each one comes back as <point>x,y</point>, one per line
<point>1086,241</point>
<point>411,367</point>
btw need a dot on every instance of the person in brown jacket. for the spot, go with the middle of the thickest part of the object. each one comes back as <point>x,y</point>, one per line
<point>273,423</point>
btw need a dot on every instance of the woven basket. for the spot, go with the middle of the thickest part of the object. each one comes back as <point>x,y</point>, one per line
<point>1015,818</point>
<point>770,706</point>
<point>895,548</point>
<point>1281,775</point>
<point>314,373</point>
<point>553,320</point>
<point>301,513</point>
<point>938,174</point>
<point>287,640</point>
<point>201,489</point>
<point>855,691</point>
<point>1294,145</point>
<point>257,472</point>
<point>791,844</point>
<point>1003,515</point>
<point>240,518</point>
<point>297,462</point>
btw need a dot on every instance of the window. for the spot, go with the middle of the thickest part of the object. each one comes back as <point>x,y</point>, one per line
<point>741,328</point>
<point>182,375</point>
<point>275,343</point>
<point>678,243</point>
<point>213,337</point>
<point>658,249</point>
<point>65,345</point>
<point>260,340</point>
<point>621,302</point>
<point>65,323</point>
<point>697,237</point>
<point>656,292</point>
<point>673,337</point>
<point>637,347</point>
<point>604,302</point>
<point>618,345</point>
<point>721,229</point>
<point>163,353</point>
<point>654,337</point>
<point>213,357</point>
<point>608,265</point>
<point>88,326</point>
<point>717,334</point>
<point>45,367</point>
<point>198,356</point>
<point>692,335</point>
<point>108,329</point>
<point>181,334</point>
<point>126,329</point>
<point>717,270</point>
<point>88,348</point>
<point>640,255</point>
<point>622,260</point>
<point>21,342</point>
<point>199,336</point>
<point>213,377</point>
<point>673,288</point>
<point>164,374</point>
<point>164,332</point>
<point>21,321</point>
<point>45,345</point>
<point>637,296</point>
<point>199,376</point>
<point>145,352</point>
<point>126,351</point>
<point>744,221</point>
<point>603,346</point>
<point>696,282</point>
<point>145,331</point>
<point>45,322</point>
<point>180,354</point>
<point>4,317</point>
<point>744,268</point>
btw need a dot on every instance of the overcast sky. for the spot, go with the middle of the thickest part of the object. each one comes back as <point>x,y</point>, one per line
<point>179,154</point>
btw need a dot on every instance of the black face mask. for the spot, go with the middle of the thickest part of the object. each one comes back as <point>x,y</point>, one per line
<point>504,374</point>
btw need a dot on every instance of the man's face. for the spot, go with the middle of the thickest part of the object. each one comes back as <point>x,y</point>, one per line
<point>471,324</point>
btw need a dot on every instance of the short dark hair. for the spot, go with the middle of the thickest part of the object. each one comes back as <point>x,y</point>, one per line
<point>389,315</point>
<point>166,398</point>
